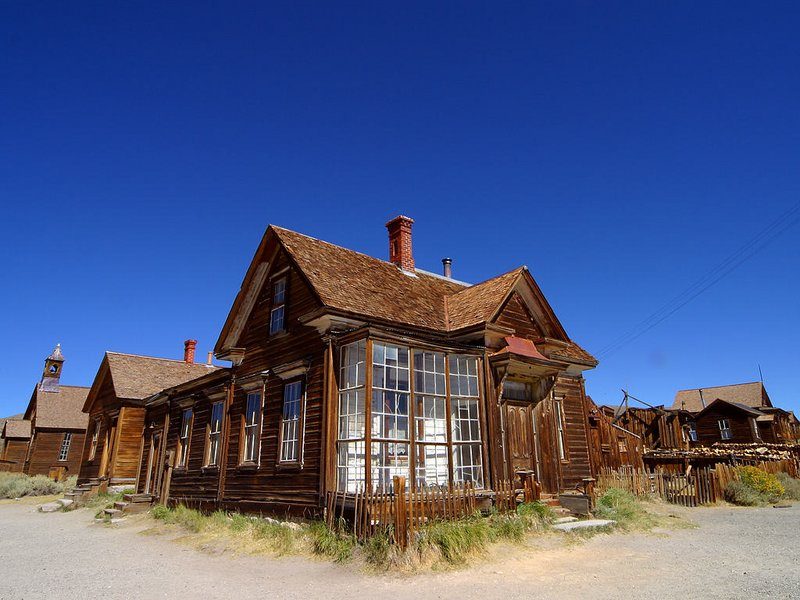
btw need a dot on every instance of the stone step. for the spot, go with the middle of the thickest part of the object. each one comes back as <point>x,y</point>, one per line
<point>112,512</point>
<point>120,505</point>
<point>50,507</point>
<point>65,502</point>
<point>565,520</point>
<point>588,524</point>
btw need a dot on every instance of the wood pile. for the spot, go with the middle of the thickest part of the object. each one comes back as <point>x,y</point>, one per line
<point>730,452</point>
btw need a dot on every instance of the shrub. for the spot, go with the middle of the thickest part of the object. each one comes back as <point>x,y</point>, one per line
<point>762,482</point>
<point>332,544</point>
<point>741,494</point>
<point>790,485</point>
<point>17,485</point>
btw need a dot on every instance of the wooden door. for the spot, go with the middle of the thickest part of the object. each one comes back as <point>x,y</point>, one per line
<point>154,467</point>
<point>520,437</point>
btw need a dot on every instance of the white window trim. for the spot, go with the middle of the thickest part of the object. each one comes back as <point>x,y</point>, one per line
<point>299,438</point>
<point>257,426</point>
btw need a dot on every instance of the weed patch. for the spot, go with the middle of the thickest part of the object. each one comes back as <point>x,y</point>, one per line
<point>19,485</point>
<point>791,486</point>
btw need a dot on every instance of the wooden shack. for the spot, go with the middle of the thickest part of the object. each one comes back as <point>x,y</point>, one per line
<point>116,412</point>
<point>57,423</point>
<point>349,370</point>
<point>16,438</point>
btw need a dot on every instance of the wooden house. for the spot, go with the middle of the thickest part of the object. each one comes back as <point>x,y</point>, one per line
<point>116,412</point>
<point>15,437</point>
<point>57,423</point>
<point>738,413</point>
<point>348,370</point>
<point>659,428</point>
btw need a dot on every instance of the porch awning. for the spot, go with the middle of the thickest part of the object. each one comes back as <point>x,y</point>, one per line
<point>520,356</point>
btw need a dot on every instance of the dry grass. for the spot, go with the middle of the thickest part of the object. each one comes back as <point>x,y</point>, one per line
<point>442,544</point>
<point>19,485</point>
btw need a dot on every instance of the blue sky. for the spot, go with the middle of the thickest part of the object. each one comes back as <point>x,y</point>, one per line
<point>620,150</point>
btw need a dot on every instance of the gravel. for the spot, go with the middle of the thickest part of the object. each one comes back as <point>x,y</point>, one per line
<point>733,553</point>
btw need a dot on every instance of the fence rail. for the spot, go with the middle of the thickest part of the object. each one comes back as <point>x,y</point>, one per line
<point>398,513</point>
<point>693,488</point>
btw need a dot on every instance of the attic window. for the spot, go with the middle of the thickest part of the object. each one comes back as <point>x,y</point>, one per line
<point>276,316</point>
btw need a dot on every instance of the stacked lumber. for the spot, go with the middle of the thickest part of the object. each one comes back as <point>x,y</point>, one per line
<point>730,451</point>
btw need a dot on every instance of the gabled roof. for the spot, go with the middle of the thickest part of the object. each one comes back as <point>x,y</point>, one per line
<point>135,377</point>
<point>750,394</point>
<point>738,405</point>
<point>60,409</point>
<point>17,428</point>
<point>364,287</point>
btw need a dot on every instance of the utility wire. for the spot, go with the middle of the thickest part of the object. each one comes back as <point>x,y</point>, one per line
<point>714,275</point>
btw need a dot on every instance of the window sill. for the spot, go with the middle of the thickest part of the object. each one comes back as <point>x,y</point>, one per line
<point>289,466</point>
<point>247,467</point>
<point>210,469</point>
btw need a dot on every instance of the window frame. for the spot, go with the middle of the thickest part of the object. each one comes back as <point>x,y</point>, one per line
<point>275,306</point>
<point>184,442</point>
<point>356,452</point>
<point>66,444</point>
<point>95,439</point>
<point>300,423</point>
<point>256,426</point>
<point>723,430</point>
<point>560,429</point>
<point>207,460</point>
<point>692,431</point>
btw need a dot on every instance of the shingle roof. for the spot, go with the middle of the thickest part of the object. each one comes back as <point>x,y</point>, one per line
<point>17,428</point>
<point>364,286</point>
<point>748,394</point>
<point>743,407</point>
<point>136,377</point>
<point>478,303</point>
<point>62,409</point>
<point>359,284</point>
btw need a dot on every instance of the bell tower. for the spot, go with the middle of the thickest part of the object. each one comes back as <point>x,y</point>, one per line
<point>52,370</point>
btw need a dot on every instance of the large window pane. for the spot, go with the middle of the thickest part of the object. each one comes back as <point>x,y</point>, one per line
<point>468,464</point>
<point>351,466</point>
<point>432,465</point>
<point>351,414</point>
<point>389,460</point>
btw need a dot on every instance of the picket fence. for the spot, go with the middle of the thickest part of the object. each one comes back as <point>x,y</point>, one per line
<point>695,487</point>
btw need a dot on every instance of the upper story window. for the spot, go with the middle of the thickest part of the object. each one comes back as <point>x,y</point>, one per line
<point>65,444</point>
<point>185,435</point>
<point>692,431</point>
<point>214,433</point>
<point>251,428</point>
<point>725,431</point>
<point>277,321</point>
<point>754,426</point>
<point>292,422</point>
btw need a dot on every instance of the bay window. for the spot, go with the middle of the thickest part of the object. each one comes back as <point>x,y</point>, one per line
<point>428,432</point>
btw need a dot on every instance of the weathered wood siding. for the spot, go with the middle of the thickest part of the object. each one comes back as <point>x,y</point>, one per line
<point>45,448</point>
<point>124,465</point>
<point>576,467</point>
<point>155,416</point>
<point>515,315</point>
<point>15,452</point>
<point>105,402</point>
<point>708,425</point>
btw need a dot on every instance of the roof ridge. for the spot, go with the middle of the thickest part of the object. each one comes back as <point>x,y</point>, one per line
<point>712,387</point>
<point>175,360</point>
<point>369,256</point>
<point>496,277</point>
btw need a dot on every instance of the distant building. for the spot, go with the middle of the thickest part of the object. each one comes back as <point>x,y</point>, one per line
<point>57,422</point>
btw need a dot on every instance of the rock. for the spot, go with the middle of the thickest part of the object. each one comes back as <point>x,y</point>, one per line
<point>50,507</point>
<point>588,524</point>
<point>65,502</point>
<point>565,520</point>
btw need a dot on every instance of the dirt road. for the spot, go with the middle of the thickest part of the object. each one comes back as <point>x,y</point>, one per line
<point>734,553</point>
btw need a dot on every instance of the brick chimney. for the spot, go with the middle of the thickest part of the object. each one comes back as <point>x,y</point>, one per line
<point>188,351</point>
<point>400,242</point>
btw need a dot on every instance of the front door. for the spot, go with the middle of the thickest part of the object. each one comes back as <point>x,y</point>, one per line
<point>520,437</point>
<point>154,464</point>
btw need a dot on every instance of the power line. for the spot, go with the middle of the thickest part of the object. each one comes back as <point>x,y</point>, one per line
<point>710,278</point>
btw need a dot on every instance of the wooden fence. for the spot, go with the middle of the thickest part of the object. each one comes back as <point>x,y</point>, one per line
<point>398,513</point>
<point>693,488</point>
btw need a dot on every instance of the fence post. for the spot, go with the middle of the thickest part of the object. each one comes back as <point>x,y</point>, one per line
<point>400,524</point>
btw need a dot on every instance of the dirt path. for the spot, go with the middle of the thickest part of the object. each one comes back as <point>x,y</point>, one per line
<point>734,553</point>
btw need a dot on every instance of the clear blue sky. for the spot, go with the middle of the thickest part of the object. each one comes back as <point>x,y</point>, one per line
<point>620,150</point>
